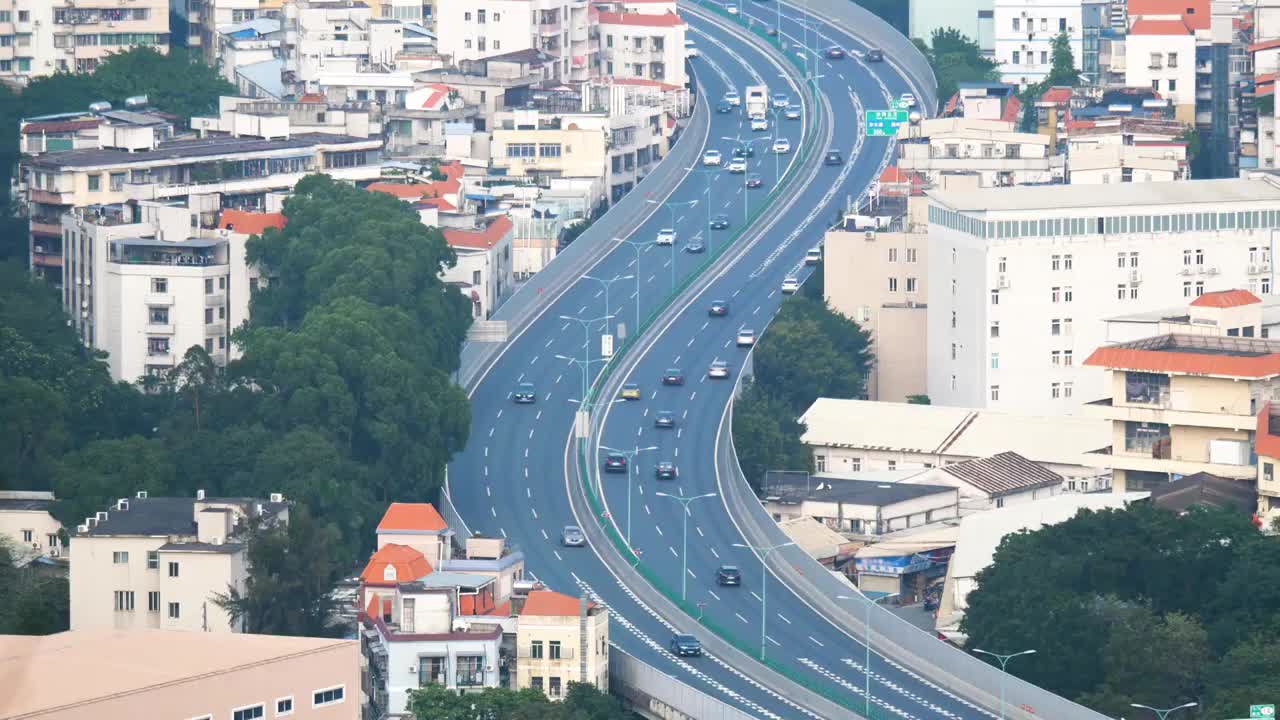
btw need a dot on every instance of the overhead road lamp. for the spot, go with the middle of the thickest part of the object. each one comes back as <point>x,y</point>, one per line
<point>630,455</point>
<point>746,196</point>
<point>606,283</point>
<point>866,641</point>
<point>684,542</point>
<point>764,552</point>
<point>1162,714</point>
<point>586,345</point>
<point>1004,660</point>
<point>671,208</point>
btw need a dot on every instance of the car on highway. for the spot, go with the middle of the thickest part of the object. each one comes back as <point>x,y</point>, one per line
<point>790,285</point>
<point>720,222</point>
<point>745,150</point>
<point>691,49</point>
<point>782,146</point>
<point>719,370</point>
<point>664,419</point>
<point>771,31</point>
<point>695,246</point>
<point>907,99</point>
<point>781,101</point>
<point>719,308</point>
<point>813,255</point>
<point>835,53</point>
<point>737,166</point>
<point>792,112</point>
<point>572,536</point>
<point>711,157</point>
<point>833,157</point>
<point>759,123</point>
<point>631,391</point>
<point>683,645</point>
<point>746,337</point>
<point>733,97</point>
<point>724,107</point>
<point>731,9</point>
<point>729,575</point>
<point>875,55</point>
<point>615,463</point>
<point>666,236</point>
<point>673,376</point>
<point>754,181</point>
<point>525,394</point>
<point>666,470</point>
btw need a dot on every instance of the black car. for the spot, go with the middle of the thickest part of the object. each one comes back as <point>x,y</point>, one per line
<point>754,181</point>
<point>724,107</point>
<point>666,471</point>
<point>744,151</point>
<point>683,645</point>
<point>729,575</point>
<point>695,246</point>
<point>772,31</point>
<point>875,55</point>
<point>525,393</point>
<point>664,419</point>
<point>835,53</point>
<point>615,463</point>
<point>833,158</point>
<point>673,376</point>
<point>720,222</point>
<point>719,308</point>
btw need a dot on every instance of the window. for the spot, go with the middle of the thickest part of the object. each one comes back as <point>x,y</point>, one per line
<point>1173,85</point>
<point>1062,24</point>
<point>1133,292</point>
<point>284,706</point>
<point>1055,327</point>
<point>953,351</point>
<point>153,601</point>
<point>119,558</point>
<point>554,649</point>
<point>1066,262</point>
<point>208,345</point>
<point>173,569</point>
<point>480,16</point>
<point>1055,294</point>
<point>1055,263</point>
<point>1066,357</point>
<point>1120,259</point>
<point>892,464</point>
<point>1000,502</point>
<point>1044,26</point>
<point>159,286</point>
<point>124,600</point>
<point>1044,54</point>
<point>1199,288</point>
<point>1199,256</point>
<point>555,686</point>
<point>911,255</point>
<point>820,462</point>
<point>1055,357</point>
<point>1266,285</point>
<point>893,284</point>
<point>95,182</point>
<point>1066,389</point>
<point>893,255</point>
<point>1173,61</point>
<point>995,328</point>
<point>251,712</point>
<point>1017,25</point>
<point>995,297</point>
<point>953,382</point>
<point>208,316</point>
<point>1066,293</point>
<point>535,649</point>
<point>208,286</point>
<point>911,285</point>
<point>1186,289</point>
<point>535,682</point>
<point>1016,57</point>
<point>995,392</point>
<point>1120,291</point>
<point>1066,326</point>
<point>175,612</point>
<point>1002,265</point>
<point>27,535</point>
<point>1055,390</point>
<point>153,560</point>
<point>1186,257</point>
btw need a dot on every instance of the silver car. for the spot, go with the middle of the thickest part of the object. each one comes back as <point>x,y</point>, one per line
<point>572,536</point>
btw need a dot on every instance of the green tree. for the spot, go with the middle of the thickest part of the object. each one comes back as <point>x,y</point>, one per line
<point>766,435</point>
<point>1062,70</point>
<point>35,432</point>
<point>811,352</point>
<point>1152,660</point>
<point>1245,676</point>
<point>919,400</point>
<point>956,59</point>
<point>31,602</point>
<point>92,478</point>
<point>294,560</point>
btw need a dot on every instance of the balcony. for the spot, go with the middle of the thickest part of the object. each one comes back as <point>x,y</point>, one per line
<point>216,329</point>
<point>50,197</point>
<point>159,328</point>
<point>1146,463</point>
<point>159,299</point>
<point>215,300</point>
<point>160,358</point>
<point>1163,412</point>
<point>550,29</point>
<point>46,260</point>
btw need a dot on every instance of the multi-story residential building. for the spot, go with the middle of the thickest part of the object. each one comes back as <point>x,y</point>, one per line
<point>643,45</point>
<point>160,562</point>
<point>134,162</point>
<point>198,23</point>
<point>1267,450</point>
<point>991,149</point>
<point>1160,54</point>
<point>560,639</point>
<point>41,37</point>
<point>25,521</point>
<point>246,43</point>
<point>484,269</point>
<point>985,101</point>
<point>180,675</point>
<point>564,29</point>
<point>1095,18</point>
<point>857,436</point>
<point>1125,163</point>
<point>1024,33</point>
<point>1187,400</point>
<point>973,18</point>
<point>1021,279</point>
<point>878,278</point>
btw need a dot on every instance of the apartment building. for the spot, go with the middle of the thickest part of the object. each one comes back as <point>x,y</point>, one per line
<point>1160,54</point>
<point>484,271</point>
<point>158,563</point>
<point>153,673</point>
<point>984,101</point>
<point>1108,164</point>
<point>28,526</point>
<point>564,29</point>
<point>41,37</point>
<point>643,45</point>
<point>1024,32</point>
<point>1020,280</point>
<point>197,24</point>
<point>344,37</point>
<point>973,18</point>
<point>858,436</point>
<point>991,149</point>
<point>1267,450</point>
<point>1187,399</point>
<point>560,639</point>
<point>246,43</point>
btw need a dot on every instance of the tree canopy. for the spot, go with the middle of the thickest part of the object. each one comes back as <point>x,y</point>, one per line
<point>955,59</point>
<point>1138,606</point>
<point>581,702</point>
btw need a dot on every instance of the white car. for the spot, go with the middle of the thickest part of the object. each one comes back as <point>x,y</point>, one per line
<point>731,9</point>
<point>792,112</point>
<point>790,286</point>
<point>782,146</point>
<point>746,337</point>
<point>719,369</point>
<point>711,157</point>
<point>691,50</point>
<point>759,124</point>
<point>666,236</point>
<point>737,165</point>
<point>907,99</point>
<point>733,98</point>
<point>813,256</point>
<point>781,101</point>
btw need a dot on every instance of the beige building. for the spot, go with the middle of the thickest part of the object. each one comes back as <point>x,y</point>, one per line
<point>559,640</point>
<point>1108,164</point>
<point>26,523</point>
<point>992,149</point>
<point>1187,399</point>
<point>49,36</point>
<point>158,562</point>
<point>98,674</point>
<point>1267,448</point>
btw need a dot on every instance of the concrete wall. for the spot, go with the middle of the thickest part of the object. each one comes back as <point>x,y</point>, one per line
<point>566,631</point>
<point>16,525</point>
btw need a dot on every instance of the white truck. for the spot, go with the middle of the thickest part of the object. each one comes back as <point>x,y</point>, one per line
<point>757,100</point>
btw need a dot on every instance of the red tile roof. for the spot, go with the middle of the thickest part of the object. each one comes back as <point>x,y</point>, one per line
<point>438,94</point>
<point>1056,95</point>
<point>480,239</point>
<point>1264,443</point>
<point>1195,13</point>
<point>641,19</point>
<point>1264,45</point>
<point>952,102</point>
<point>250,223</point>
<point>642,82</point>
<point>312,98</point>
<point>409,565</point>
<point>548,603</point>
<point>1012,110</point>
<point>58,126</point>
<point>416,190</point>
<point>1226,299</point>
<point>1186,361</point>
<point>437,203</point>
<point>1143,26</point>
<point>412,516</point>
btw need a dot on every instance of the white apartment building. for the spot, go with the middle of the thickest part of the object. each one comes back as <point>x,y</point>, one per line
<point>246,43</point>
<point>475,29</point>
<point>484,272</point>
<point>1020,280</point>
<point>26,523</point>
<point>643,45</point>
<point>1107,164</point>
<point>1160,54</point>
<point>199,22</point>
<point>41,37</point>
<point>317,33</point>
<point>157,563</point>
<point>990,149</point>
<point>1024,32</point>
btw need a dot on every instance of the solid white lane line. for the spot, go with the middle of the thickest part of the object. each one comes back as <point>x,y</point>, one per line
<point>740,617</point>
<point>783,618</point>
<point>815,641</point>
<point>545,536</point>
<point>713,594</point>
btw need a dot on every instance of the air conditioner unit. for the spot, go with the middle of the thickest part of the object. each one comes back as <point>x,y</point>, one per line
<point>1253,269</point>
<point>1135,277</point>
<point>870,235</point>
<point>1186,271</point>
<point>1003,282</point>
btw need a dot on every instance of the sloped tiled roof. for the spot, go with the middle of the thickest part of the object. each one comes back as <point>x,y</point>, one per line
<point>58,126</point>
<point>641,19</point>
<point>1002,474</point>
<point>1195,13</point>
<point>1226,298</point>
<point>412,516</point>
<point>250,223</point>
<point>1217,356</point>
<point>549,603</point>
<point>482,239</point>
<point>409,565</point>
<point>1143,26</point>
<point>1056,95</point>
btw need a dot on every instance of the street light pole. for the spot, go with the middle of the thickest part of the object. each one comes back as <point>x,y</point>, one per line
<point>630,455</point>
<point>1162,714</point>
<point>746,196</point>
<point>606,283</point>
<point>684,541</point>
<point>866,641</point>
<point>584,367</point>
<point>1004,660</point>
<point>764,553</point>
<point>671,207</point>
<point>586,345</point>
<point>707,172</point>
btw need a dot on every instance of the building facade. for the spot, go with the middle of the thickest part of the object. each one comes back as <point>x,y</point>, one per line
<point>989,149</point>
<point>643,45</point>
<point>1160,54</point>
<point>484,271</point>
<point>973,18</point>
<point>560,639</point>
<point>41,37</point>
<point>25,521</point>
<point>565,30</point>
<point>1021,280</point>
<point>1024,33</point>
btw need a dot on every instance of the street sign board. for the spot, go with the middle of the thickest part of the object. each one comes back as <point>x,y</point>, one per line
<point>884,123</point>
<point>606,346</point>
<point>1262,711</point>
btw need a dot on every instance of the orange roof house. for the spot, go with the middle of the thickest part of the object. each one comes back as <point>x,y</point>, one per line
<point>1144,26</point>
<point>412,516</point>
<point>549,603</point>
<point>250,223</point>
<point>393,564</point>
<point>1195,13</point>
<point>481,239</point>
<point>1226,298</point>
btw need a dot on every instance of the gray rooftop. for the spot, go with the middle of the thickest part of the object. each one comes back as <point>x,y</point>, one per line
<point>1123,195</point>
<point>189,243</point>
<point>25,504</point>
<point>1005,473</point>
<point>792,488</point>
<point>227,548</point>
<point>190,149</point>
<point>266,75</point>
<point>448,579</point>
<point>165,515</point>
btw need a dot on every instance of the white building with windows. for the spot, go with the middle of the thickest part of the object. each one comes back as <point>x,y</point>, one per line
<point>41,37</point>
<point>992,150</point>
<point>475,29</point>
<point>643,45</point>
<point>1160,54</point>
<point>1022,279</point>
<point>1024,32</point>
<point>25,521</point>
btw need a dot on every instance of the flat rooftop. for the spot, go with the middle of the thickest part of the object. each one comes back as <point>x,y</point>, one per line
<point>192,149</point>
<point>1123,195</point>
<point>821,488</point>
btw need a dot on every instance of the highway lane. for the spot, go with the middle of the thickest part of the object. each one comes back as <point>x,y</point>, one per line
<point>509,482</point>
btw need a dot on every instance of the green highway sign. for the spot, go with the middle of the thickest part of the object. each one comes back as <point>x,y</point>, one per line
<point>1262,711</point>
<point>884,123</point>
